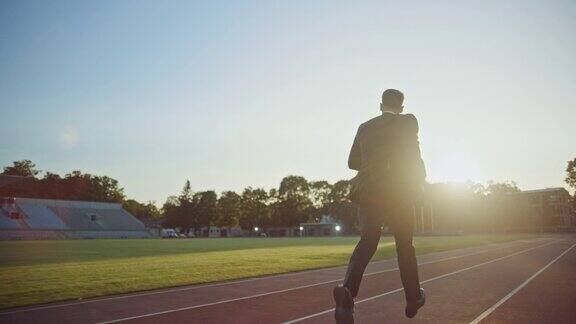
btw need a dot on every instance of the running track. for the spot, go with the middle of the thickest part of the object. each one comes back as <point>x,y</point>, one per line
<point>528,281</point>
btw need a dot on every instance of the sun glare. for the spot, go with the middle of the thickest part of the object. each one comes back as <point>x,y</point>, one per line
<point>455,167</point>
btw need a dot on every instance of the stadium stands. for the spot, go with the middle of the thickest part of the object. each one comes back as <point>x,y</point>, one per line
<point>97,219</point>
<point>6,222</point>
<point>26,218</point>
<point>38,216</point>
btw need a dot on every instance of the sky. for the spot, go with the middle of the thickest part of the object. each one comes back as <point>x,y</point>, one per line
<point>230,94</point>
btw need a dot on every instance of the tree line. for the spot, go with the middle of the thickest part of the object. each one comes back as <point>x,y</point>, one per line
<point>296,200</point>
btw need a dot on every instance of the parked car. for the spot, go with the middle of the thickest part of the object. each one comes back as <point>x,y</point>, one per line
<point>169,233</point>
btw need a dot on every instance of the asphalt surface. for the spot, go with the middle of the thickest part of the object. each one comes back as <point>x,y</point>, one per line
<point>528,281</point>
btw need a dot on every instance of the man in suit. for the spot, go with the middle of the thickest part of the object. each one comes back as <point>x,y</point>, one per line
<point>390,179</point>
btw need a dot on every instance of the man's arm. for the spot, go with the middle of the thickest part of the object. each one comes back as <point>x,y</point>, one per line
<point>414,149</point>
<point>355,157</point>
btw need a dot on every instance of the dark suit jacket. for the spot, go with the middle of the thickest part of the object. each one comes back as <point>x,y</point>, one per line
<point>386,153</point>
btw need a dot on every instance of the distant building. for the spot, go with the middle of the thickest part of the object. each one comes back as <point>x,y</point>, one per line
<point>551,206</point>
<point>27,218</point>
<point>447,209</point>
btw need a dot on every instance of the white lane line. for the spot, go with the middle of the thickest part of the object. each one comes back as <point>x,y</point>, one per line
<point>517,289</point>
<point>187,288</point>
<point>423,282</point>
<point>289,289</point>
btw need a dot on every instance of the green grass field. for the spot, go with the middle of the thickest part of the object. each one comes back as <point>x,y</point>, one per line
<point>34,272</point>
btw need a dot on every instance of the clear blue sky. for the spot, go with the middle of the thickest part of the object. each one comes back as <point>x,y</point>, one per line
<point>237,93</point>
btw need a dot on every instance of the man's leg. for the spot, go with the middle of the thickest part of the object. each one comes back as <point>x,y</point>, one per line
<point>370,227</point>
<point>402,224</point>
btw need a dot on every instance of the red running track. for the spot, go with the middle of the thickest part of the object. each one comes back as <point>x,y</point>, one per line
<point>528,281</point>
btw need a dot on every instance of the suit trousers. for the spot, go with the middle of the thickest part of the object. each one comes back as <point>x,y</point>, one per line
<point>400,218</point>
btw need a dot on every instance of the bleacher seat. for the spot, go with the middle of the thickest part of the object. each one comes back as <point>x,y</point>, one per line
<point>41,217</point>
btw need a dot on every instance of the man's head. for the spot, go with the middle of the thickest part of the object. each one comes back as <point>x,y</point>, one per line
<point>392,101</point>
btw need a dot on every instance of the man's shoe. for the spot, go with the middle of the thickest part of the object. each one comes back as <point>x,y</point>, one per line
<point>412,308</point>
<point>344,313</point>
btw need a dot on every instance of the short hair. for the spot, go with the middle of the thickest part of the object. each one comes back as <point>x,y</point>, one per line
<point>392,98</point>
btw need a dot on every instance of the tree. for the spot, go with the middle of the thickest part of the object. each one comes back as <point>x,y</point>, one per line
<point>179,211</point>
<point>229,211</point>
<point>186,212</point>
<point>254,209</point>
<point>73,186</point>
<point>83,186</point>
<point>294,186</point>
<point>571,174</point>
<point>320,197</point>
<point>293,204</point>
<point>170,211</point>
<point>341,207</point>
<point>340,191</point>
<point>104,188</point>
<point>571,181</point>
<point>186,193</point>
<point>24,168</point>
<point>146,211</point>
<point>476,188</point>
<point>500,188</point>
<point>206,208</point>
<point>287,213</point>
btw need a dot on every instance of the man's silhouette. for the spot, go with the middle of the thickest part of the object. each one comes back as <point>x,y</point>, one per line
<point>390,178</point>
